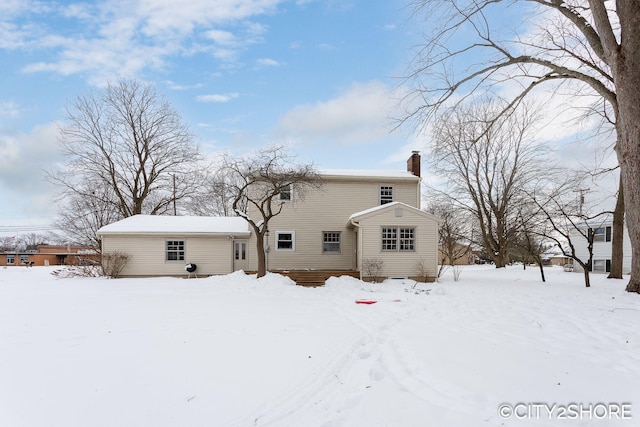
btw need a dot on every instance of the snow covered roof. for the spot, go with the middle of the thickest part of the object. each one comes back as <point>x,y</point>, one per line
<point>391,205</point>
<point>364,173</point>
<point>160,224</point>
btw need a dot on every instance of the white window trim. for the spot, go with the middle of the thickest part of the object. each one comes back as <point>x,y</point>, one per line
<point>397,229</point>
<point>166,250</point>
<point>339,242</point>
<point>393,193</point>
<point>293,241</point>
<point>290,199</point>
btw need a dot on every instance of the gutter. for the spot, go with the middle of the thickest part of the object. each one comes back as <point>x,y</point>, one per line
<point>357,225</point>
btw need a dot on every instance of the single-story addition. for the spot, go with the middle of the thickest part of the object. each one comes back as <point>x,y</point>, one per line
<point>162,245</point>
<point>355,219</point>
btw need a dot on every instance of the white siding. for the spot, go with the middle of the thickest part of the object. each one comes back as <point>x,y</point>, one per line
<point>401,263</point>
<point>601,250</point>
<point>328,209</point>
<point>212,255</point>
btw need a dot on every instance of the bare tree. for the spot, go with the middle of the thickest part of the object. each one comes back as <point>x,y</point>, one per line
<point>570,222</point>
<point>489,159</point>
<point>83,216</point>
<point>531,238</point>
<point>590,46</point>
<point>32,240</point>
<point>454,242</point>
<point>7,243</point>
<point>215,194</point>
<point>617,241</point>
<point>261,184</point>
<point>124,145</point>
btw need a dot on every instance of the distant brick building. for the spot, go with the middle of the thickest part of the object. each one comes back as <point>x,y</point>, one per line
<point>44,255</point>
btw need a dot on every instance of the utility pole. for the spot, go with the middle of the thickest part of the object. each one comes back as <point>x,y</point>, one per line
<point>175,209</point>
<point>581,191</point>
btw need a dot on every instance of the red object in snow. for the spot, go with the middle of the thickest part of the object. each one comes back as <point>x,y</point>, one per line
<point>365,301</point>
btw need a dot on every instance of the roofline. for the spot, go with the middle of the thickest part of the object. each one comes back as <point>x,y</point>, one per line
<point>337,175</point>
<point>373,211</point>
<point>174,233</point>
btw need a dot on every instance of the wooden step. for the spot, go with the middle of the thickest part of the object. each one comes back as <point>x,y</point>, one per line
<point>314,278</point>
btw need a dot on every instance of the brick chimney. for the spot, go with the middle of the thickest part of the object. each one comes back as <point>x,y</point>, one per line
<point>413,164</point>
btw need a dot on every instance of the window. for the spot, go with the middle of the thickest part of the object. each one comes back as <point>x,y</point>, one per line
<point>240,251</point>
<point>24,259</point>
<point>175,250</point>
<point>285,193</point>
<point>285,241</point>
<point>601,265</point>
<point>11,259</point>
<point>331,242</point>
<point>407,239</point>
<point>398,239</point>
<point>601,234</point>
<point>386,194</point>
<point>389,239</point>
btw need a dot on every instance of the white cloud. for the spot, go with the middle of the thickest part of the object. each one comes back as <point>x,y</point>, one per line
<point>121,38</point>
<point>359,115</point>
<point>174,18</point>
<point>222,37</point>
<point>217,97</point>
<point>10,110</point>
<point>176,86</point>
<point>25,156</point>
<point>267,62</point>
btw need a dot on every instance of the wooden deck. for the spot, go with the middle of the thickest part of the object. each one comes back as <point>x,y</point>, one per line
<point>314,278</point>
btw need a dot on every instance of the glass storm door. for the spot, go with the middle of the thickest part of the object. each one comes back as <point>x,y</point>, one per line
<point>240,259</point>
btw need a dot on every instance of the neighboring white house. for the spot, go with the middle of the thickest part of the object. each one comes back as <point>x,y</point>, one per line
<point>602,234</point>
<point>355,216</point>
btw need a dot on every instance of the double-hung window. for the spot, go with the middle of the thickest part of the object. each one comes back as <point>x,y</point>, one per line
<point>285,241</point>
<point>601,265</point>
<point>175,250</point>
<point>601,234</point>
<point>331,242</point>
<point>386,194</point>
<point>11,259</point>
<point>398,239</point>
<point>285,193</point>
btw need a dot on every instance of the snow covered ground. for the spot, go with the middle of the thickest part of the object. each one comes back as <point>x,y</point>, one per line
<point>236,351</point>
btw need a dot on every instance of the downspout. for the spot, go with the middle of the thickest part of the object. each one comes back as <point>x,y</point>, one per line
<point>358,245</point>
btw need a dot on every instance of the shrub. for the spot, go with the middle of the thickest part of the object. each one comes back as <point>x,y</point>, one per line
<point>373,268</point>
<point>113,263</point>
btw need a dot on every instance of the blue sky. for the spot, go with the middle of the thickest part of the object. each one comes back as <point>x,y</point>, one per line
<point>321,75</point>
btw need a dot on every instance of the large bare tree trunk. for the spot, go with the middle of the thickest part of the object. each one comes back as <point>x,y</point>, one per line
<point>262,265</point>
<point>587,282</point>
<point>617,237</point>
<point>627,79</point>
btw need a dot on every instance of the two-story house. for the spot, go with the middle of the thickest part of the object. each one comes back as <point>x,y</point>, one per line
<point>601,233</point>
<point>355,217</point>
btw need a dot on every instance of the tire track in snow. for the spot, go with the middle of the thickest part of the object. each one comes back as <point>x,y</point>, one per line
<point>337,386</point>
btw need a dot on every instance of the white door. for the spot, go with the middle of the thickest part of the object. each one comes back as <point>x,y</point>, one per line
<point>240,261</point>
